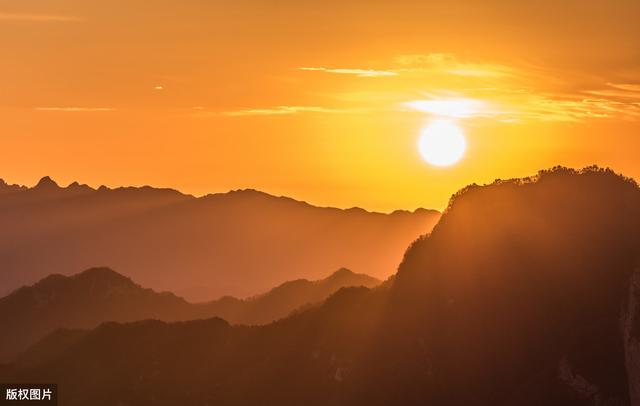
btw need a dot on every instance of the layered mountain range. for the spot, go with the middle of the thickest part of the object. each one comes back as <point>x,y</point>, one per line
<point>238,243</point>
<point>98,295</point>
<point>525,293</point>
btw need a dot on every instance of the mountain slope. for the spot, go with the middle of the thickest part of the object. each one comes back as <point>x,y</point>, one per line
<point>281,300</point>
<point>518,295</point>
<point>238,243</point>
<point>525,293</point>
<point>98,295</point>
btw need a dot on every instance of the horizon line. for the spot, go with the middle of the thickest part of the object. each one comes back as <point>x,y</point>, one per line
<point>49,179</point>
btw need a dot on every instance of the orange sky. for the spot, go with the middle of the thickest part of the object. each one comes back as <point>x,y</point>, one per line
<point>321,101</point>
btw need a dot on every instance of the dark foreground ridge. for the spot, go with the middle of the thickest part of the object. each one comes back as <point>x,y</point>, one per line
<point>525,293</point>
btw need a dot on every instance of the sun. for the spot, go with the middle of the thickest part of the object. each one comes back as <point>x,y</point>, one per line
<point>442,143</point>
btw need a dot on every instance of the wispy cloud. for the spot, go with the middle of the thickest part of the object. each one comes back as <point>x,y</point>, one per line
<point>614,93</point>
<point>363,73</point>
<point>550,109</point>
<point>618,91</point>
<point>453,108</point>
<point>449,64</point>
<point>511,93</point>
<point>282,110</point>
<point>38,17</point>
<point>74,109</point>
<point>443,85</point>
<point>631,87</point>
<point>421,63</point>
<point>521,106</point>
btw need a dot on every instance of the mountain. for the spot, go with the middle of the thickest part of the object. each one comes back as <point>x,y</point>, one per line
<point>238,243</point>
<point>98,295</point>
<point>525,293</point>
<point>50,347</point>
<point>283,299</point>
<point>6,188</point>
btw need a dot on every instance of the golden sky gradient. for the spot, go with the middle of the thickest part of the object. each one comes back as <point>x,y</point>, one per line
<point>320,101</point>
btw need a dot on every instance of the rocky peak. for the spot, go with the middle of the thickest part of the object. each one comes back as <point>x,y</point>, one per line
<point>46,183</point>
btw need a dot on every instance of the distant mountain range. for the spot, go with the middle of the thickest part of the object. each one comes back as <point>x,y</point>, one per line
<point>527,292</point>
<point>99,295</point>
<point>238,243</point>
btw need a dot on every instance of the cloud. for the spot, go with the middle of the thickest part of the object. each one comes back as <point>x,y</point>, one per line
<point>38,17</point>
<point>74,109</point>
<point>281,110</point>
<point>443,85</point>
<point>453,108</point>
<point>618,91</point>
<point>424,59</point>
<point>549,109</point>
<point>613,93</point>
<point>363,73</point>
<point>630,87</point>
<point>449,64</point>
<point>521,106</point>
<point>564,108</point>
<point>517,93</point>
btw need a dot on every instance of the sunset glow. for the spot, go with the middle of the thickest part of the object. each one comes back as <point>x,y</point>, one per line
<point>323,104</point>
<point>338,202</point>
<point>456,108</point>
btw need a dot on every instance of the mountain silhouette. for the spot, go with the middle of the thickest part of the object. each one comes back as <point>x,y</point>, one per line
<point>525,293</point>
<point>238,243</point>
<point>98,295</point>
<point>283,299</point>
<point>50,347</point>
<point>6,188</point>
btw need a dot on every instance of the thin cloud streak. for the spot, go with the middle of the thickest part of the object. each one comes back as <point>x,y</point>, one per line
<point>74,109</point>
<point>38,18</point>
<point>470,90</point>
<point>549,108</point>
<point>281,110</point>
<point>505,93</point>
<point>363,73</point>
<point>453,108</point>
<point>630,87</point>
<point>614,93</point>
<point>449,64</point>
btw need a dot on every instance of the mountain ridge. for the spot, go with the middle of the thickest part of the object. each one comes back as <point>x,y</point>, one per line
<point>47,182</point>
<point>524,294</point>
<point>98,295</point>
<point>237,243</point>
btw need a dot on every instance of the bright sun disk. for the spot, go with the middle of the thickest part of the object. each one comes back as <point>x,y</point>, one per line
<point>442,143</point>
